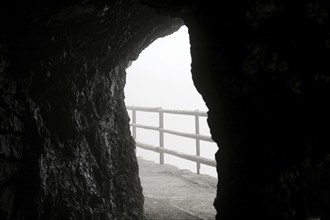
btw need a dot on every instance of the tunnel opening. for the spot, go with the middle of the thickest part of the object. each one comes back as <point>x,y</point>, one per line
<point>160,80</point>
<point>166,65</point>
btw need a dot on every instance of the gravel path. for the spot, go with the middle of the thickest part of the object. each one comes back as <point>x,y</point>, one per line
<point>171,193</point>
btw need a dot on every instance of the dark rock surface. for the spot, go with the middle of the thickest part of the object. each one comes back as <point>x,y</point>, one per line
<point>65,147</point>
<point>263,69</point>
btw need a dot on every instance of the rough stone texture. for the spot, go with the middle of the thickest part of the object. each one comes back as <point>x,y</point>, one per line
<point>261,66</point>
<point>263,69</point>
<point>65,147</point>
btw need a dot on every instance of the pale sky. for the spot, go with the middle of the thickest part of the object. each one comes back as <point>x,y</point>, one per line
<point>161,76</point>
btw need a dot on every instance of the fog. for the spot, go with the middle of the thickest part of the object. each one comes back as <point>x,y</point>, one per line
<point>161,77</point>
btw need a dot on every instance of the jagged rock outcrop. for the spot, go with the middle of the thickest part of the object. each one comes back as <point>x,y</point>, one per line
<point>65,147</point>
<point>262,68</point>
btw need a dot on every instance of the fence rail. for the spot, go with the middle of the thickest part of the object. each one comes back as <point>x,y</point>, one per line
<point>160,149</point>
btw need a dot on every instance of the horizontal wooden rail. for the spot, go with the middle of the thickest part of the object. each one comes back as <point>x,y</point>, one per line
<point>144,127</point>
<point>178,154</point>
<point>169,111</point>
<point>182,134</point>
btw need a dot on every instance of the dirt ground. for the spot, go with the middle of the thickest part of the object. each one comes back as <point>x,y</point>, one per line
<point>171,193</point>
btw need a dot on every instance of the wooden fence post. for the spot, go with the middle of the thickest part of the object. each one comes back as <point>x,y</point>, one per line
<point>161,136</point>
<point>198,151</point>
<point>134,122</point>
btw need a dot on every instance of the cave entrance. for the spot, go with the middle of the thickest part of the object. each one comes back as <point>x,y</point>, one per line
<point>161,78</point>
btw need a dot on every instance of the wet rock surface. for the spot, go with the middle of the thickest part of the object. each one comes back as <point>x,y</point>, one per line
<point>65,146</point>
<point>261,67</point>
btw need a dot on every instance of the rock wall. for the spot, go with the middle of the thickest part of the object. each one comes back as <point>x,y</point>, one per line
<point>262,68</point>
<point>65,147</point>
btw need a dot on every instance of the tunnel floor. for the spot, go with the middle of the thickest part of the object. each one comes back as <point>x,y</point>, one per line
<point>171,193</point>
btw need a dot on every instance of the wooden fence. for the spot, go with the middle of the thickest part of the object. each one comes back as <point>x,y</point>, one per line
<point>160,149</point>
